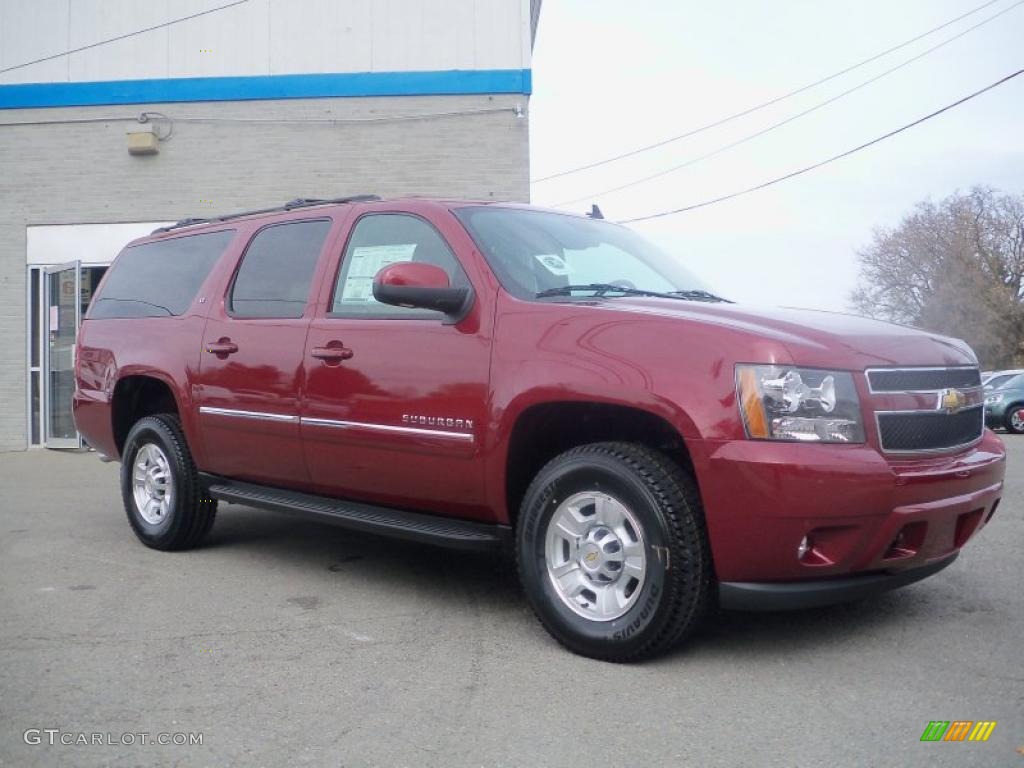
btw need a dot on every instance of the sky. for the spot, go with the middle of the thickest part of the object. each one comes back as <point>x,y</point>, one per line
<point>609,77</point>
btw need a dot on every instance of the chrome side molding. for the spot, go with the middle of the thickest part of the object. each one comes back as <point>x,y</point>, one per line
<point>336,423</point>
<point>260,415</point>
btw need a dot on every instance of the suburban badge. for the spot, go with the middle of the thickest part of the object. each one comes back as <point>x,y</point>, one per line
<point>413,419</point>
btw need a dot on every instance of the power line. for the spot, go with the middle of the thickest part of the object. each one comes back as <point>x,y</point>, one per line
<point>786,121</point>
<point>763,105</point>
<point>123,37</point>
<point>832,159</point>
<point>153,117</point>
<point>515,110</point>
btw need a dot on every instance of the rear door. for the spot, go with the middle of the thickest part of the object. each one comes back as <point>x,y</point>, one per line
<point>398,418</point>
<point>251,375</point>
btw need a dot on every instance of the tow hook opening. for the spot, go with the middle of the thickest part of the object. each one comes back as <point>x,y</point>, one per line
<point>907,542</point>
<point>966,524</point>
<point>992,511</point>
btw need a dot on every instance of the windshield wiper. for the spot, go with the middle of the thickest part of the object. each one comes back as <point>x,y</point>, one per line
<point>700,296</point>
<point>600,289</point>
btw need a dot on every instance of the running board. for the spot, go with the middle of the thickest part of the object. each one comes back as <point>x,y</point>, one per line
<point>397,523</point>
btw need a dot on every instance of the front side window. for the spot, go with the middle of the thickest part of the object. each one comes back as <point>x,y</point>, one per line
<point>277,269</point>
<point>533,252</point>
<point>381,239</point>
<point>159,279</point>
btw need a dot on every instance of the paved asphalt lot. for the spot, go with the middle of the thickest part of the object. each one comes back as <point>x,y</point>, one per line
<point>293,643</point>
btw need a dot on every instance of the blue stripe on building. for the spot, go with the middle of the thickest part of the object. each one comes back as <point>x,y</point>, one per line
<point>248,88</point>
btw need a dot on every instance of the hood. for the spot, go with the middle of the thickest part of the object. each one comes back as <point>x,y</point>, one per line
<point>815,338</point>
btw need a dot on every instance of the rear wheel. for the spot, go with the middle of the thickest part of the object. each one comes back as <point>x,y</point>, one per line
<point>612,551</point>
<point>160,486</point>
<point>1015,419</point>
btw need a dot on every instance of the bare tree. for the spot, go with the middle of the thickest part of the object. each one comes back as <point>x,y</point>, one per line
<point>955,267</point>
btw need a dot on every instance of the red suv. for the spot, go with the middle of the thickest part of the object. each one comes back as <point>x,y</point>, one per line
<point>492,376</point>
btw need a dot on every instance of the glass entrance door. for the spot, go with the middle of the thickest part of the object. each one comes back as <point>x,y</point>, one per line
<point>62,317</point>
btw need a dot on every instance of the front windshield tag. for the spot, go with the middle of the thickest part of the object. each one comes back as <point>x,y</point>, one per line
<point>556,265</point>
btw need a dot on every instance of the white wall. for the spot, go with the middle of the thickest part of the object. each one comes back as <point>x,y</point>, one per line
<point>260,37</point>
<point>87,243</point>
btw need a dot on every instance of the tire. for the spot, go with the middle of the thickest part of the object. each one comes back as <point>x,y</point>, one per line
<point>648,508</point>
<point>1015,419</point>
<point>174,513</point>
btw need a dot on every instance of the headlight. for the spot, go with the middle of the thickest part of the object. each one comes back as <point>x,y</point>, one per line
<point>787,403</point>
<point>993,399</point>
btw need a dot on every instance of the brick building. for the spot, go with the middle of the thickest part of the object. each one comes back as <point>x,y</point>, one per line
<point>118,116</point>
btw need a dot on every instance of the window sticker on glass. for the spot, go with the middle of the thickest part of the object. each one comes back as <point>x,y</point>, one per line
<point>365,262</point>
<point>554,264</point>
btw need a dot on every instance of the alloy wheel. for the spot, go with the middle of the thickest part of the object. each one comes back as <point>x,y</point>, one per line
<point>151,484</point>
<point>595,555</point>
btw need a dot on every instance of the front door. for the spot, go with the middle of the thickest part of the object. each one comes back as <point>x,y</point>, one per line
<point>62,318</point>
<point>395,398</point>
<point>250,374</point>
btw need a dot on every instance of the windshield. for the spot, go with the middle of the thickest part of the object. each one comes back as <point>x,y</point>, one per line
<point>1013,381</point>
<point>537,252</point>
<point>994,382</point>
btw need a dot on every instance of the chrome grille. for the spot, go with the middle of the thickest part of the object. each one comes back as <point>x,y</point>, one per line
<point>929,430</point>
<point>922,379</point>
<point>955,418</point>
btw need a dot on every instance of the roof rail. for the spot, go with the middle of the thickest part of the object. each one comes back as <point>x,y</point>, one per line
<point>291,205</point>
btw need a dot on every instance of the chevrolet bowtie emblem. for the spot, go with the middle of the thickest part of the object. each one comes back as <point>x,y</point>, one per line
<point>951,400</point>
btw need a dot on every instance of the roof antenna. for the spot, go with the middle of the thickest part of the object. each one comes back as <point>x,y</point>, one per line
<point>595,212</point>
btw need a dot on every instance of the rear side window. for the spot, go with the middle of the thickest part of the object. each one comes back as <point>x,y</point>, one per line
<point>159,279</point>
<point>277,270</point>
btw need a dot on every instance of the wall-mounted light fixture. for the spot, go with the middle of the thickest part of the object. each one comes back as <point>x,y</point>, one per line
<point>142,140</point>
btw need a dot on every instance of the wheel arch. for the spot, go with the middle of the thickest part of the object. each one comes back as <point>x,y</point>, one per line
<point>137,394</point>
<point>545,428</point>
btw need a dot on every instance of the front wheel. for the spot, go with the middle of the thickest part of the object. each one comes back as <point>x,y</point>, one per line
<point>613,553</point>
<point>1015,419</point>
<point>160,486</point>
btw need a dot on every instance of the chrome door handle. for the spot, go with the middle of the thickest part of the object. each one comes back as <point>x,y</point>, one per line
<point>334,352</point>
<point>222,347</point>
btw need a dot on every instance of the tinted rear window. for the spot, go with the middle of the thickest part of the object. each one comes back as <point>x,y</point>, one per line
<point>277,269</point>
<point>159,279</point>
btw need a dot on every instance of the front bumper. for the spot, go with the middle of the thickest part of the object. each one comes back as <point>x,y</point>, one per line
<point>863,512</point>
<point>812,593</point>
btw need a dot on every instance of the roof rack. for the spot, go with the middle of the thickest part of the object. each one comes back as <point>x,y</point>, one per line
<point>291,205</point>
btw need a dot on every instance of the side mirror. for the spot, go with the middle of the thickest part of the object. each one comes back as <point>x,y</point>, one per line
<point>421,286</point>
